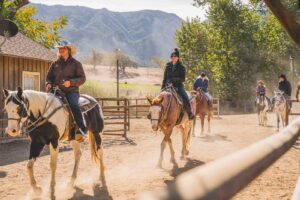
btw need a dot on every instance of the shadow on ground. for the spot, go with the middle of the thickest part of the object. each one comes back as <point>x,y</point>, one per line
<point>190,164</point>
<point>99,193</point>
<point>20,149</point>
<point>213,138</point>
<point>3,174</point>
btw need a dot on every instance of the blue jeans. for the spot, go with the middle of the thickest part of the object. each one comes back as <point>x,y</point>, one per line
<point>207,96</point>
<point>73,100</point>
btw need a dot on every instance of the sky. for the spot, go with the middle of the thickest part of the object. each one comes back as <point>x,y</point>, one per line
<point>183,8</point>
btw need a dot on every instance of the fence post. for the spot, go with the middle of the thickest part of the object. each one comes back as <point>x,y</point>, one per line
<point>136,108</point>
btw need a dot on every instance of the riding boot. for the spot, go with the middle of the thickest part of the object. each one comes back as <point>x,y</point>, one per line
<point>189,111</point>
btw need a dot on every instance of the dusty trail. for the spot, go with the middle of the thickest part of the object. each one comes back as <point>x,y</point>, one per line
<point>130,166</point>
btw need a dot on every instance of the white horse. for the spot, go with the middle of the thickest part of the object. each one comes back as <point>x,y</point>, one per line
<point>263,106</point>
<point>48,123</point>
<point>281,108</point>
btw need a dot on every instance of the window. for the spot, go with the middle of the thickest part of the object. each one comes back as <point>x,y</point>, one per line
<point>31,80</point>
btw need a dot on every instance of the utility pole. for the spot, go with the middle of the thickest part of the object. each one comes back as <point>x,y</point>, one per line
<point>118,78</point>
<point>292,70</point>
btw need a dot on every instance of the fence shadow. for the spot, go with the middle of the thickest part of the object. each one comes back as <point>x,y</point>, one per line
<point>190,164</point>
<point>109,142</point>
<point>18,151</point>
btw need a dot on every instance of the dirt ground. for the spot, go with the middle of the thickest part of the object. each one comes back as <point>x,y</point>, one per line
<point>130,165</point>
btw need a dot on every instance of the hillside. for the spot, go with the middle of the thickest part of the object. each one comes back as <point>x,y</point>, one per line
<point>140,34</point>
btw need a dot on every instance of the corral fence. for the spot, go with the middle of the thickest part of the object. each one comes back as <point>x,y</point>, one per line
<point>117,113</point>
<point>223,178</point>
<point>139,107</point>
<point>116,116</point>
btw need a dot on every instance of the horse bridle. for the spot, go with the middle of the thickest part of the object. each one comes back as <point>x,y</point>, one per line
<point>38,122</point>
<point>24,110</point>
<point>160,115</point>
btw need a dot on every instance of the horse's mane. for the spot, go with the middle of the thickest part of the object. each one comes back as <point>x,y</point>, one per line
<point>160,98</point>
<point>37,101</point>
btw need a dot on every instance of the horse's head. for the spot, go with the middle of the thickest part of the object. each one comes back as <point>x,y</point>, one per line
<point>278,98</point>
<point>16,109</point>
<point>155,112</point>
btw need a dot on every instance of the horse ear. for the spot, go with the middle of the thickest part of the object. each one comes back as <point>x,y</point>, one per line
<point>20,92</point>
<point>5,93</point>
<point>149,100</point>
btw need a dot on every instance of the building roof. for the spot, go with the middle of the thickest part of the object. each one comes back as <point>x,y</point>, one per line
<point>22,46</point>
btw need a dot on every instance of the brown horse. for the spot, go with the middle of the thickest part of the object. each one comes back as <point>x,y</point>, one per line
<point>164,113</point>
<point>202,109</point>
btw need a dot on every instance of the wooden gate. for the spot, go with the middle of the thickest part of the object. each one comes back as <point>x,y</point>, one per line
<point>116,116</point>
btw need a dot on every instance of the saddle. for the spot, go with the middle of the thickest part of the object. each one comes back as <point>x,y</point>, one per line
<point>86,104</point>
<point>178,98</point>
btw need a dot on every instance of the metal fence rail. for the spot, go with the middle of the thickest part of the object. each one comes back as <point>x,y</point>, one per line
<point>223,178</point>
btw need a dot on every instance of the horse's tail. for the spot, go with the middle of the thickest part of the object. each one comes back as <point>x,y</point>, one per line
<point>94,147</point>
<point>95,123</point>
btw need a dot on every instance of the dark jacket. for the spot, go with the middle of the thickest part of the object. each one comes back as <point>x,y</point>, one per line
<point>201,83</point>
<point>62,70</point>
<point>174,74</point>
<point>285,86</point>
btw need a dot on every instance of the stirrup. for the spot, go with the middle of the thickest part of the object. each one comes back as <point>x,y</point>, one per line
<point>83,133</point>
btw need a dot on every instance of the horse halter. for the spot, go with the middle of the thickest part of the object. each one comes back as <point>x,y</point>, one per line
<point>23,112</point>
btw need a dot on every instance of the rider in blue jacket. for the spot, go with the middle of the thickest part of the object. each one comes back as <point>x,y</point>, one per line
<point>201,83</point>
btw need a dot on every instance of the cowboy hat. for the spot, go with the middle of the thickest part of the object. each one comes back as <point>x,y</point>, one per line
<point>67,44</point>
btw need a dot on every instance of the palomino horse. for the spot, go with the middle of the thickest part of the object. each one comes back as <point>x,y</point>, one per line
<point>202,109</point>
<point>263,107</point>
<point>48,123</point>
<point>281,108</point>
<point>164,112</point>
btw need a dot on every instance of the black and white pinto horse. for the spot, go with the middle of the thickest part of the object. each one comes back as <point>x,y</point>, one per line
<point>263,106</point>
<point>281,108</point>
<point>48,123</point>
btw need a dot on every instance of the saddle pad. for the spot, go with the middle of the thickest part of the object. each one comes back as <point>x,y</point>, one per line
<point>86,103</point>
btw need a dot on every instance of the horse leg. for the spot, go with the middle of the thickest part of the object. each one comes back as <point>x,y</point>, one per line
<point>36,189</point>
<point>202,124</point>
<point>266,118</point>
<point>162,149</point>
<point>194,126</point>
<point>208,121</point>
<point>77,155</point>
<point>181,129</point>
<point>101,166</point>
<point>53,165</point>
<point>278,121</point>
<point>173,160</point>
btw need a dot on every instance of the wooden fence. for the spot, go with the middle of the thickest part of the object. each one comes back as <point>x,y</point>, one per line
<point>117,113</point>
<point>116,116</point>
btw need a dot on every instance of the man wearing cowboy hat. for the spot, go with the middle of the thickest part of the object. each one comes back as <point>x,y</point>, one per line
<point>67,73</point>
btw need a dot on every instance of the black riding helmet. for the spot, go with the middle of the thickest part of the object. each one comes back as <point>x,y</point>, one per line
<point>203,74</point>
<point>282,76</point>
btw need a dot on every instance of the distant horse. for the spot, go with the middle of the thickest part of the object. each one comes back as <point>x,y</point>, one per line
<point>263,106</point>
<point>165,113</point>
<point>48,123</point>
<point>281,108</point>
<point>202,109</point>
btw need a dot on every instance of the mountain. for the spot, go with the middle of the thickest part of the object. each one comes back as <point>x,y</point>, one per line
<point>141,34</point>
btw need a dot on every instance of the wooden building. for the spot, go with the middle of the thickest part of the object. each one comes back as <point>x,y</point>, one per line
<point>23,63</point>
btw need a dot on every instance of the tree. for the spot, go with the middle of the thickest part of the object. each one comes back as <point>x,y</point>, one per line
<point>160,62</point>
<point>45,33</point>
<point>236,45</point>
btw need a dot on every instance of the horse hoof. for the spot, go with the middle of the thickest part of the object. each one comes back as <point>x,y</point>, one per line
<point>159,166</point>
<point>71,183</point>
<point>187,152</point>
<point>182,158</point>
<point>175,166</point>
<point>37,190</point>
